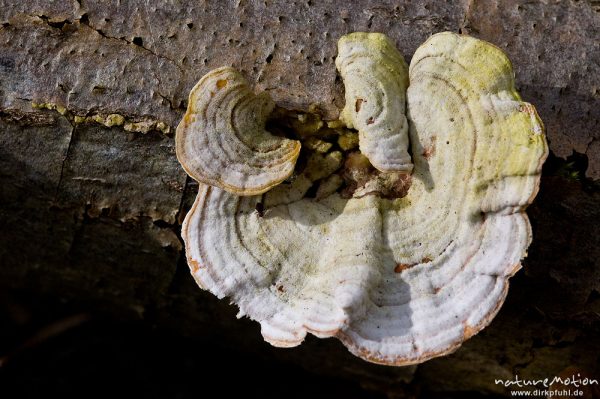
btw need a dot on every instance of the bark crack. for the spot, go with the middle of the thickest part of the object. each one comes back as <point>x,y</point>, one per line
<point>587,147</point>
<point>182,200</point>
<point>84,20</point>
<point>465,20</point>
<point>132,43</point>
<point>64,161</point>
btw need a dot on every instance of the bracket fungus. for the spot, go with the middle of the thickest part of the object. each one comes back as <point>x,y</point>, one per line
<point>376,76</point>
<point>222,139</point>
<point>398,278</point>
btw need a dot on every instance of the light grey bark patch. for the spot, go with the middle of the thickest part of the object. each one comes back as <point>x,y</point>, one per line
<point>85,72</point>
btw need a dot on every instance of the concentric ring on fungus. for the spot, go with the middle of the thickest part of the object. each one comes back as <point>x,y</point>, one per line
<point>222,139</point>
<point>398,274</point>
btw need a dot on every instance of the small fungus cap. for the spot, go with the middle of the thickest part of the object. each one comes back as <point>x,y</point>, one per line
<point>402,280</point>
<point>222,139</point>
<point>375,79</point>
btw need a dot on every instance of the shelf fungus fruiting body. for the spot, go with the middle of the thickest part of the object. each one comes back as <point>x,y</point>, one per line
<point>402,277</point>
<point>222,139</point>
<point>375,78</point>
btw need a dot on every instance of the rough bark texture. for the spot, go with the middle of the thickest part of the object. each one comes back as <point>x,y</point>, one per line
<point>92,213</point>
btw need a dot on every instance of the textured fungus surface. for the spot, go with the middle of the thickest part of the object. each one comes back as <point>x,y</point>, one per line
<point>222,139</point>
<point>376,76</point>
<point>401,280</point>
